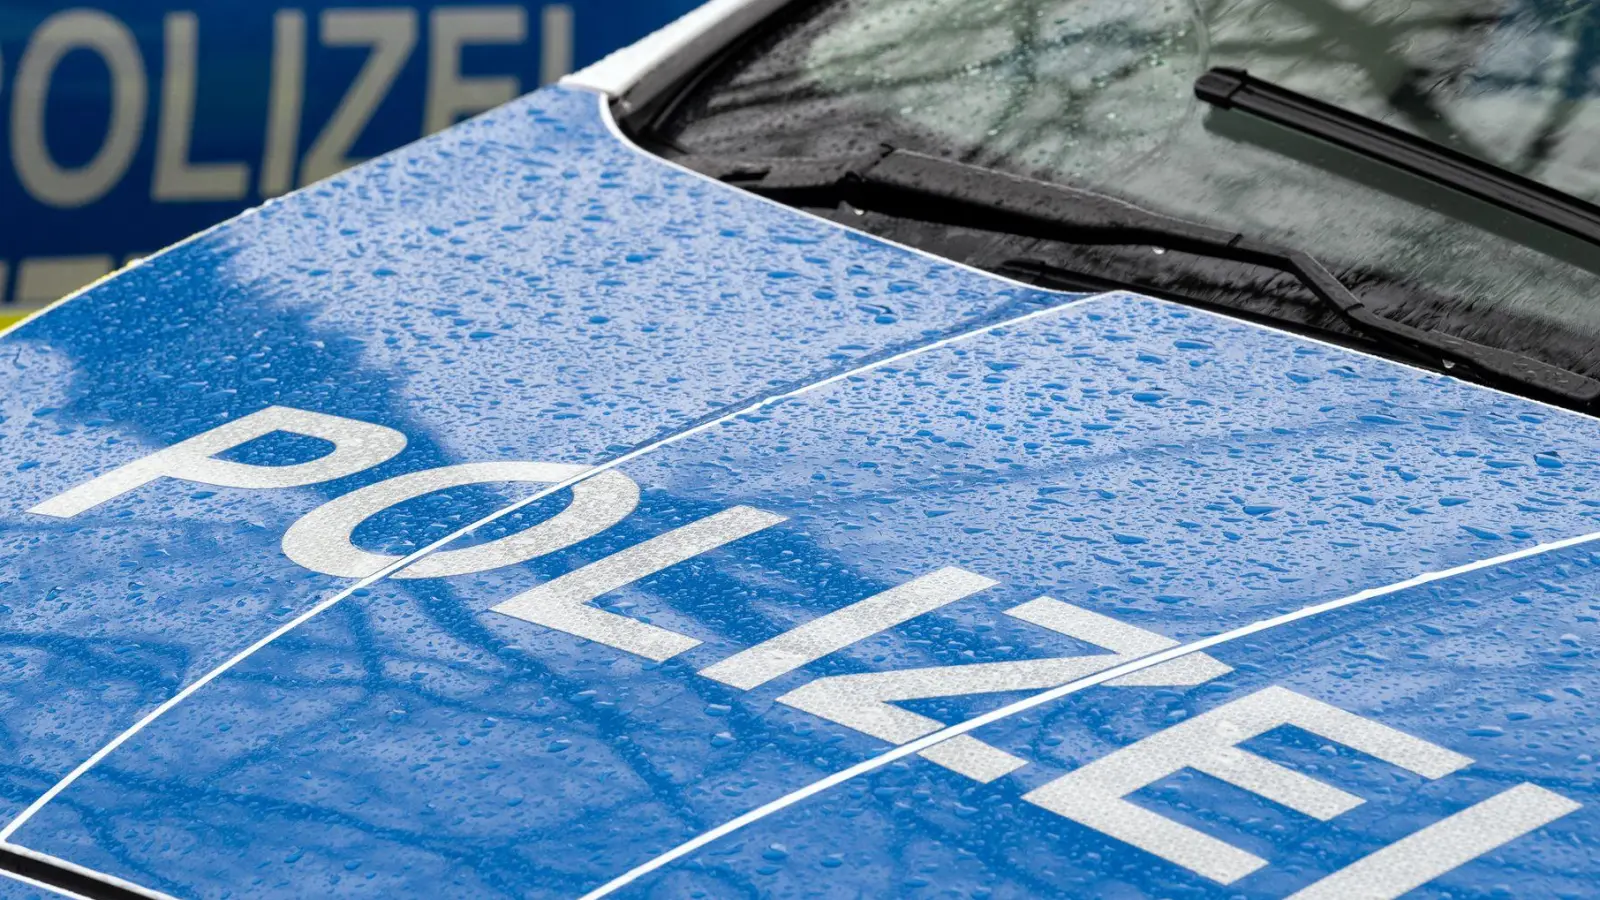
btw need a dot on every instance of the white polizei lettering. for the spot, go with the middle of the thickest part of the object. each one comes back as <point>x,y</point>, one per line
<point>392,34</point>
<point>555,42</point>
<point>564,603</point>
<point>1094,795</point>
<point>654,446</point>
<point>321,539</point>
<point>176,177</point>
<point>1419,755</point>
<point>57,36</point>
<point>356,446</point>
<point>843,627</point>
<point>450,95</point>
<point>865,701</point>
<point>1417,859</point>
<point>1124,640</point>
<point>285,97</point>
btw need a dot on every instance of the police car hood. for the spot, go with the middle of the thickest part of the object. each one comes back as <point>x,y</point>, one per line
<point>655,525</point>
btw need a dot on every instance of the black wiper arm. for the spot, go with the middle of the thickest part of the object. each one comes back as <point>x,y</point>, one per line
<point>929,189</point>
<point>1238,90</point>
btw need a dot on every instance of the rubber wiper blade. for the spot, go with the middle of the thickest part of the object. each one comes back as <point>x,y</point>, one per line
<point>930,189</point>
<point>1238,90</point>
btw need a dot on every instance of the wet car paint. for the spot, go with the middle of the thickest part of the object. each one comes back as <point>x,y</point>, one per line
<point>603,300</point>
<point>1512,689</point>
<point>1173,470</point>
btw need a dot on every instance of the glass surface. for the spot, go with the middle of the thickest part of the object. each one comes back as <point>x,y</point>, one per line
<point>1099,94</point>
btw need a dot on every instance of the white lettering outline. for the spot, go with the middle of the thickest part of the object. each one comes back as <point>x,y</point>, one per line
<point>555,42</point>
<point>285,100</point>
<point>1094,795</point>
<point>911,748</point>
<point>391,32</point>
<point>450,29</point>
<point>176,177</point>
<point>55,37</point>
<point>357,446</point>
<point>665,441</point>
<point>320,540</point>
<point>836,630</point>
<point>866,701</point>
<point>565,603</point>
<point>1125,671</point>
<point>1451,842</point>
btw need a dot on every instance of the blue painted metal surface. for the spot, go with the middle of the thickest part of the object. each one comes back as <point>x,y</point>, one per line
<point>1498,666</point>
<point>17,890</point>
<point>213,85</point>
<point>526,287</point>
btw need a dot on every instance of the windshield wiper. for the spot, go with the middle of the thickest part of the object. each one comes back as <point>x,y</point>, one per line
<point>929,189</point>
<point>1236,89</point>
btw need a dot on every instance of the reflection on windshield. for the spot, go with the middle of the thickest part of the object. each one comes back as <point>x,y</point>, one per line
<point>1514,84</point>
<point>1098,93</point>
<point>1058,85</point>
<point>1080,91</point>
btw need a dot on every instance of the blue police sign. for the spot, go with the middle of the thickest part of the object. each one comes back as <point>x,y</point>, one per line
<point>130,124</point>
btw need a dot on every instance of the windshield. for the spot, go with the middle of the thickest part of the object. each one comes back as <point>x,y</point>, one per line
<point>1099,94</point>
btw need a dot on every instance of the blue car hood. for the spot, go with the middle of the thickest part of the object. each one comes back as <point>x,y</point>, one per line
<point>212,690</point>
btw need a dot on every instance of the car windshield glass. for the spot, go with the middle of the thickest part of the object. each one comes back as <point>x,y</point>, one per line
<point>1099,94</point>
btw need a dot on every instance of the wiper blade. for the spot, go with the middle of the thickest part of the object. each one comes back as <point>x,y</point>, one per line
<point>1236,89</point>
<point>929,189</point>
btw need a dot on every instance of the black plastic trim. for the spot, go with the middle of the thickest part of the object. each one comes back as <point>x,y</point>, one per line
<point>932,189</point>
<point>67,879</point>
<point>637,106</point>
